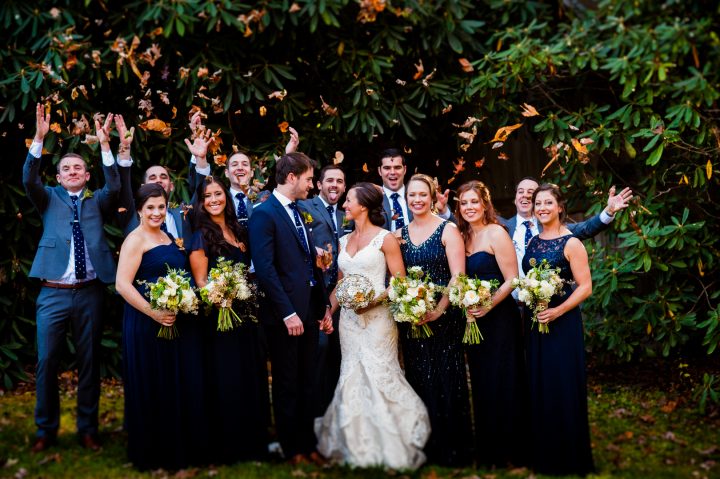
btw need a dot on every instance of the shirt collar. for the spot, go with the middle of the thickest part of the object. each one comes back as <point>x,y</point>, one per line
<point>389,192</point>
<point>284,200</point>
<point>520,220</point>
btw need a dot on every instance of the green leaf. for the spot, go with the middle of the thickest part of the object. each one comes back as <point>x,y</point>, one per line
<point>655,156</point>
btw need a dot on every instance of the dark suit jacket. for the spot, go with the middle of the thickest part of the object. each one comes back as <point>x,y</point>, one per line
<point>280,265</point>
<point>55,206</point>
<point>583,230</point>
<point>128,219</point>
<point>321,226</point>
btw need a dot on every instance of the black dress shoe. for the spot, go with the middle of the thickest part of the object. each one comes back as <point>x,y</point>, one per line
<point>89,441</point>
<point>43,443</point>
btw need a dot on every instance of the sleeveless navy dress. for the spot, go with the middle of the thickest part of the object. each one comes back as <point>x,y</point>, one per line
<point>163,379</point>
<point>497,375</point>
<point>237,379</point>
<point>435,366</point>
<point>559,430</point>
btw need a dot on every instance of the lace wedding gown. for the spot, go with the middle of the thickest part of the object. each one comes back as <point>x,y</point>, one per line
<point>375,417</point>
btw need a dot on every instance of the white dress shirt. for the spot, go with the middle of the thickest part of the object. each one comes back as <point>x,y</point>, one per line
<point>401,200</point>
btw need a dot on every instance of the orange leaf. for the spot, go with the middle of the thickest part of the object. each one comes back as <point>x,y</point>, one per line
<point>55,127</point>
<point>283,126</point>
<point>280,95</point>
<point>294,8</point>
<point>503,132</point>
<point>420,70</point>
<point>329,110</point>
<point>263,111</point>
<point>458,166</point>
<point>529,110</point>
<point>503,156</point>
<point>339,157</point>
<point>364,168</point>
<point>479,163</point>
<point>154,125</point>
<point>465,64</point>
<point>582,149</point>
<point>220,160</point>
<point>447,109</point>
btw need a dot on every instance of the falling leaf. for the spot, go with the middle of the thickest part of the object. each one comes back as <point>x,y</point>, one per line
<point>684,180</point>
<point>573,128</point>
<point>174,112</point>
<point>451,180</point>
<point>503,132</point>
<point>294,8</point>
<point>338,158</point>
<point>465,146</point>
<point>503,156</point>
<point>329,110</point>
<point>215,142</point>
<point>122,210</point>
<point>479,163</point>
<point>369,91</point>
<point>407,150</point>
<point>467,136</point>
<point>465,64</point>
<point>447,109</point>
<point>154,125</point>
<point>709,169</point>
<point>283,126</point>
<point>280,95</point>
<point>220,160</point>
<point>528,110</point>
<point>237,112</point>
<point>400,82</point>
<point>263,111</point>
<point>497,145</point>
<point>365,168</point>
<point>202,72</point>
<point>582,149</point>
<point>587,141</point>
<point>471,120</point>
<point>458,166</point>
<point>74,93</point>
<point>54,12</point>
<point>55,127</point>
<point>420,70</point>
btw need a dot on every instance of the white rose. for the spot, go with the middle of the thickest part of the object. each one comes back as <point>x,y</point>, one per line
<point>523,296</point>
<point>485,284</point>
<point>418,310</point>
<point>471,298</point>
<point>533,283</point>
<point>546,289</point>
<point>392,294</point>
<point>413,292</point>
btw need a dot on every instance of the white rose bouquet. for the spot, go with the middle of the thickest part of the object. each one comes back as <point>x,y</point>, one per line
<point>411,298</point>
<point>172,292</point>
<point>354,291</point>
<point>537,287</point>
<point>471,293</point>
<point>227,282</point>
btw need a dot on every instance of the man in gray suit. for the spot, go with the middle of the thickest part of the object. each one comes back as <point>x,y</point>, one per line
<point>73,261</point>
<point>392,171</point>
<point>327,228</point>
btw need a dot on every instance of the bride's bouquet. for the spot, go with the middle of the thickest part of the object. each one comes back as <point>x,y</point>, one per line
<point>411,298</point>
<point>354,291</point>
<point>537,287</point>
<point>471,293</point>
<point>171,292</point>
<point>227,282</point>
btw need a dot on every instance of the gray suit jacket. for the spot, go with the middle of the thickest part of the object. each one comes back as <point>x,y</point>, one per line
<point>583,230</point>
<point>321,227</point>
<point>55,206</point>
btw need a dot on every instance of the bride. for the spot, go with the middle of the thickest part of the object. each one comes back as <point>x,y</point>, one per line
<point>375,417</point>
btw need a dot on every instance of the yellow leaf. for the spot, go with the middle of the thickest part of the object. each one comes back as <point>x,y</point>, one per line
<point>579,147</point>
<point>283,126</point>
<point>649,328</point>
<point>365,168</point>
<point>263,111</point>
<point>684,180</point>
<point>55,127</point>
<point>709,169</point>
<point>504,132</point>
<point>74,93</point>
<point>700,267</point>
<point>528,110</point>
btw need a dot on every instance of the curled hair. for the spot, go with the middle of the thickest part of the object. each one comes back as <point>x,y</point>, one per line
<point>429,182</point>
<point>555,191</point>
<point>147,191</point>
<point>296,163</point>
<point>489,215</point>
<point>213,239</point>
<point>370,196</point>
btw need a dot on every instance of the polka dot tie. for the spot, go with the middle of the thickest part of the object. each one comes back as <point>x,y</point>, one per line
<point>333,271</point>
<point>78,242</point>
<point>528,231</point>
<point>397,211</point>
<point>303,240</point>
<point>242,212</point>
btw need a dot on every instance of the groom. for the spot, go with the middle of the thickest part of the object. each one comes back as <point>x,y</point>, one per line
<point>295,302</point>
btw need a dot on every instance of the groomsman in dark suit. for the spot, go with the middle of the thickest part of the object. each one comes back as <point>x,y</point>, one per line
<point>73,261</point>
<point>327,229</point>
<point>176,221</point>
<point>295,304</point>
<point>392,171</point>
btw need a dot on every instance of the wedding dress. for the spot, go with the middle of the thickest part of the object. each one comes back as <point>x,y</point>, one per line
<point>375,417</point>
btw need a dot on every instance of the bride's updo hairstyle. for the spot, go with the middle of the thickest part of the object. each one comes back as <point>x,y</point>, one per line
<point>370,196</point>
<point>555,191</point>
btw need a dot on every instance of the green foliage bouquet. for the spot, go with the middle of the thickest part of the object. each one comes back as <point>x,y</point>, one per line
<point>171,292</point>
<point>411,298</point>
<point>471,293</point>
<point>227,282</point>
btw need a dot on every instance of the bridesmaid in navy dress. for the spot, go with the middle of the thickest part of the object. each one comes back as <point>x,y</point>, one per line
<point>435,366</point>
<point>237,384</point>
<point>164,406</point>
<point>560,435</point>
<point>497,363</point>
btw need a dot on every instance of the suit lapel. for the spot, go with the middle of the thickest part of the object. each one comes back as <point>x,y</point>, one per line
<point>284,217</point>
<point>319,205</point>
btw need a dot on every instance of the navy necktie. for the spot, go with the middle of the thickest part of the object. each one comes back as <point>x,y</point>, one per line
<point>397,210</point>
<point>331,210</point>
<point>303,240</point>
<point>78,242</point>
<point>528,231</point>
<point>333,271</point>
<point>242,212</point>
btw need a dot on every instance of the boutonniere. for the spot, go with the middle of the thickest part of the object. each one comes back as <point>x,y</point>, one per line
<point>307,217</point>
<point>172,204</point>
<point>185,210</point>
<point>88,194</point>
<point>180,243</point>
<point>345,223</point>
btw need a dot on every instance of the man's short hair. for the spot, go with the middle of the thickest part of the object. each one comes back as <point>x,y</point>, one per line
<point>296,163</point>
<point>327,168</point>
<point>70,155</point>
<point>390,153</point>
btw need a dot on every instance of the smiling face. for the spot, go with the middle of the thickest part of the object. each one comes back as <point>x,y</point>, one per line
<point>301,185</point>
<point>72,174</point>
<point>352,208</point>
<point>159,175</point>
<point>523,197</point>
<point>419,197</point>
<point>472,208</point>
<point>546,208</point>
<point>392,171</point>
<point>332,186</point>
<point>153,212</point>
<point>214,200</point>
<point>238,171</point>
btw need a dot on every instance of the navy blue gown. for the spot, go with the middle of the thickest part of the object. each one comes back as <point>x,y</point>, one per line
<point>560,434</point>
<point>237,380</point>
<point>164,385</point>
<point>435,366</point>
<point>497,377</point>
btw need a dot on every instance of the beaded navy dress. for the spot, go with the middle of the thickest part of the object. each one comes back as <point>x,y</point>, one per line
<point>163,379</point>
<point>435,366</point>
<point>237,379</point>
<point>497,378</point>
<point>559,431</point>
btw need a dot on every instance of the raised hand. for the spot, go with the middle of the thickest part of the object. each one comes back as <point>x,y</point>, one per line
<point>294,141</point>
<point>441,200</point>
<point>199,145</point>
<point>42,123</point>
<point>620,201</point>
<point>126,136</point>
<point>102,131</point>
<point>196,126</point>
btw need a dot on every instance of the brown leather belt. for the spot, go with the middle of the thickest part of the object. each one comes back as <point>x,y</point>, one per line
<point>81,285</point>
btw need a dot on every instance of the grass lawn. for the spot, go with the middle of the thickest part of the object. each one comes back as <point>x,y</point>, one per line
<point>644,424</point>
